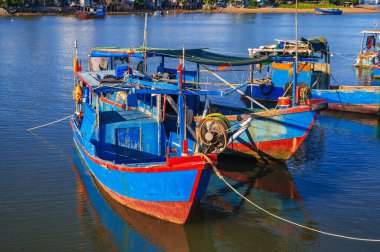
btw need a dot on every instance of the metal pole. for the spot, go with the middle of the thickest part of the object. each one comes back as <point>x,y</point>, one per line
<point>181,112</point>
<point>158,103</point>
<point>145,44</point>
<point>295,64</point>
<point>183,84</point>
<point>251,68</point>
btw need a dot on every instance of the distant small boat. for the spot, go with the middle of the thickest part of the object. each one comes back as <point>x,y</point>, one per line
<point>158,13</point>
<point>368,54</point>
<point>328,11</point>
<point>92,12</point>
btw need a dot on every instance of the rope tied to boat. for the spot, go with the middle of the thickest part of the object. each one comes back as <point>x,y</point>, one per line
<point>344,57</point>
<point>50,123</point>
<point>217,172</point>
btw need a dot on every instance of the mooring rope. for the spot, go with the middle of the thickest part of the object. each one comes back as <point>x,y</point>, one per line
<point>276,216</point>
<point>334,79</point>
<point>47,124</point>
<point>341,55</point>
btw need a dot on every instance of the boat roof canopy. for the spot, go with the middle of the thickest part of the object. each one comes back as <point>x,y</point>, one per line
<point>371,31</point>
<point>200,56</point>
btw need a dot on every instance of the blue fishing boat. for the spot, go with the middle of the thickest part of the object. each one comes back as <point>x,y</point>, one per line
<point>357,99</point>
<point>269,135</point>
<point>313,79</point>
<point>87,12</point>
<point>313,69</point>
<point>130,148</point>
<point>319,11</point>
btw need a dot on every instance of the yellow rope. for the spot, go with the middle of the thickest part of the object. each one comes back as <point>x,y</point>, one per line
<point>279,217</point>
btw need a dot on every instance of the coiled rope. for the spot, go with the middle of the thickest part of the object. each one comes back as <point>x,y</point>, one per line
<point>47,124</point>
<point>279,217</point>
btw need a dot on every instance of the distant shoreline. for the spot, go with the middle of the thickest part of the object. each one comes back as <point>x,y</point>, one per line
<point>348,10</point>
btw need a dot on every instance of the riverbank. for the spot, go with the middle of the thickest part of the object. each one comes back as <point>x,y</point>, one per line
<point>60,11</point>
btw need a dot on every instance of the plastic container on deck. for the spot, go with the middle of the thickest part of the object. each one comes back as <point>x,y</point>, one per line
<point>284,102</point>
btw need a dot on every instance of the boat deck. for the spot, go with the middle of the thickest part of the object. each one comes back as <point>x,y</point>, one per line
<point>92,78</point>
<point>126,138</point>
<point>111,117</point>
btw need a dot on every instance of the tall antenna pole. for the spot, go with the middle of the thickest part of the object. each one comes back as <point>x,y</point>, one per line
<point>145,43</point>
<point>146,31</point>
<point>295,72</point>
<point>183,84</point>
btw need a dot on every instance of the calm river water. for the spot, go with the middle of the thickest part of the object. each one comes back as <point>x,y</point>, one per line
<point>49,202</point>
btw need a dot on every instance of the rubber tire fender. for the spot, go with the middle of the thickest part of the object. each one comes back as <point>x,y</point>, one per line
<point>319,106</point>
<point>269,91</point>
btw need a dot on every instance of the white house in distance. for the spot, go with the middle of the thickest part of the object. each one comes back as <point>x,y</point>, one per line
<point>84,2</point>
<point>369,2</point>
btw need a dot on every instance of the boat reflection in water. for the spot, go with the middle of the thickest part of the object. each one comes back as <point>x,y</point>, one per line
<point>114,227</point>
<point>352,123</point>
<point>365,77</point>
<point>269,186</point>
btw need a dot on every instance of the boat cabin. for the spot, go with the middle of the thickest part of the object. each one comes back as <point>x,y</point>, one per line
<point>313,68</point>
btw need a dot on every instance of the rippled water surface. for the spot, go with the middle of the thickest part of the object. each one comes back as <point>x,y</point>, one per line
<point>50,203</point>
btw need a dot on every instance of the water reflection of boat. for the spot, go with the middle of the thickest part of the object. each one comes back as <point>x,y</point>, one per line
<point>372,120</point>
<point>364,76</point>
<point>271,186</point>
<point>116,227</point>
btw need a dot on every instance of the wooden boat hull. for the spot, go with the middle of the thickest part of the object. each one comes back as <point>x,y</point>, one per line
<point>328,12</point>
<point>86,15</point>
<point>365,100</point>
<point>166,191</point>
<point>273,136</point>
<point>365,60</point>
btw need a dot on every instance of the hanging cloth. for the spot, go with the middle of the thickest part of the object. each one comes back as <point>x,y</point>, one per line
<point>371,41</point>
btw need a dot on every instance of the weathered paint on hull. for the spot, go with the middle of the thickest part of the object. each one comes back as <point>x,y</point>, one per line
<point>356,100</point>
<point>167,192</point>
<point>176,212</point>
<point>356,108</point>
<point>274,136</point>
<point>89,16</point>
<point>271,152</point>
